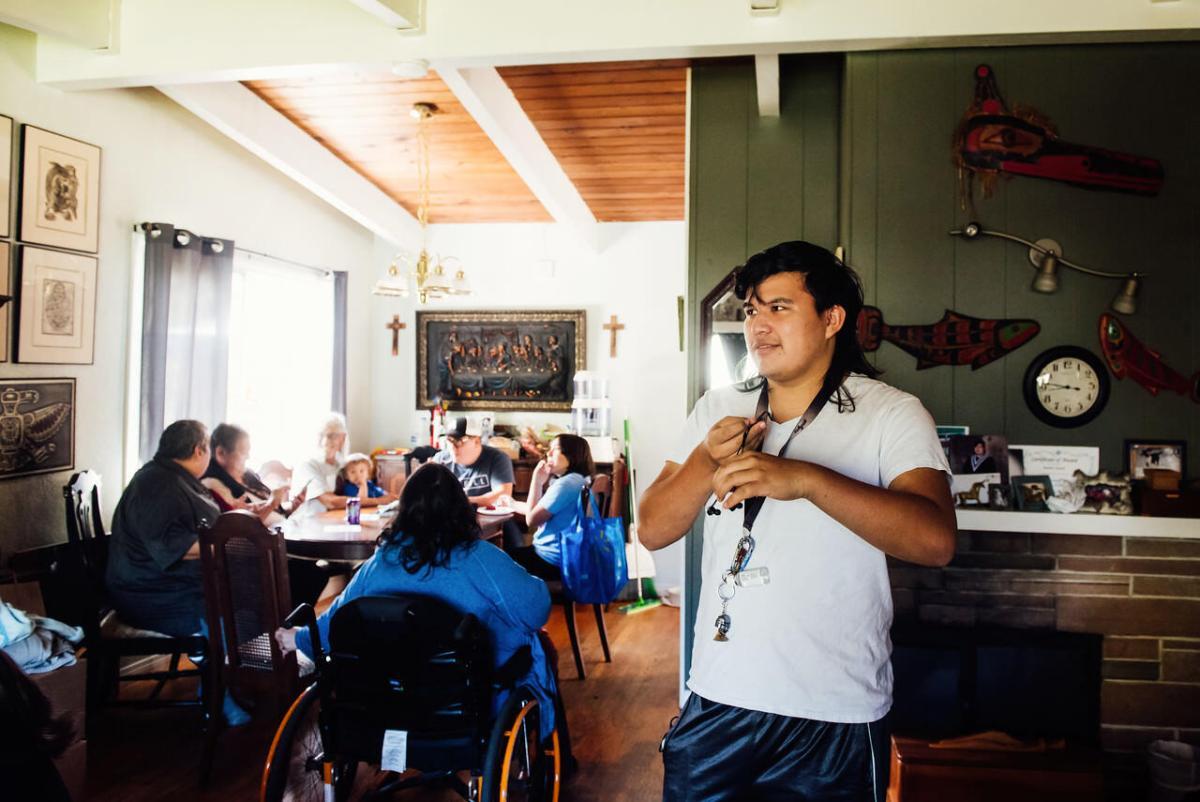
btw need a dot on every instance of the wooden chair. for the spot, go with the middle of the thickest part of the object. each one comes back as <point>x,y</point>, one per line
<point>78,576</point>
<point>247,597</point>
<point>609,492</point>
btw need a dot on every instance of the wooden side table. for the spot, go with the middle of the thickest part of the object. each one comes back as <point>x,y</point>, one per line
<point>920,773</point>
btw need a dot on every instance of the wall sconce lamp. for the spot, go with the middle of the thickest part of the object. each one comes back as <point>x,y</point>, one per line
<point>1046,256</point>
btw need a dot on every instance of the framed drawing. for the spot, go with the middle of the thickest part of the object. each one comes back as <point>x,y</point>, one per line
<point>1163,455</point>
<point>6,300</point>
<point>37,426</point>
<point>57,307</point>
<point>6,162</point>
<point>60,191</point>
<point>500,360</point>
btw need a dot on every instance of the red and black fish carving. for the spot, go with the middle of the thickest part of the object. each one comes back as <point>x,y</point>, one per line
<point>954,340</point>
<point>1127,356</point>
<point>992,139</point>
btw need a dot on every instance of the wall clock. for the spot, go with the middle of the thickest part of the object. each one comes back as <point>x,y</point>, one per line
<point>1066,386</point>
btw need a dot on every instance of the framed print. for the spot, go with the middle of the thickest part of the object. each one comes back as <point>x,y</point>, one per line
<point>56,307</point>
<point>1163,455</point>
<point>6,300</point>
<point>60,191</point>
<point>6,171</point>
<point>999,496</point>
<point>1029,493</point>
<point>37,426</point>
<point>500,360</point>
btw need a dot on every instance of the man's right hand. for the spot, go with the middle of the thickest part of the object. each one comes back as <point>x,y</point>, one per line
<point>725,438</point>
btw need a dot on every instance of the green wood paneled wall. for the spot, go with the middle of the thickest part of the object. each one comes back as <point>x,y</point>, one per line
<point>861,155</point>
<point>900,199</point>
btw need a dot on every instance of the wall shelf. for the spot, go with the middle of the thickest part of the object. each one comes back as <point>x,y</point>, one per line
<point>1078,524</point>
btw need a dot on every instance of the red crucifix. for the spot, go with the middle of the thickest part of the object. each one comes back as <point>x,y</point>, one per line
<point>395,326</point>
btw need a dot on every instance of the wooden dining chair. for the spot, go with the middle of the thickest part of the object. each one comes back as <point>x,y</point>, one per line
<point>609,492</point>
<point>247,597</point>
<point>77,578</point>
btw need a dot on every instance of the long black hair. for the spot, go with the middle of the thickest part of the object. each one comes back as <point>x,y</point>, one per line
<point>831,283</point>
<point>434,519</point>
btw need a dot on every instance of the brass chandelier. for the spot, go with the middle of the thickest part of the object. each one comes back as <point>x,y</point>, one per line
<point>427,275</point>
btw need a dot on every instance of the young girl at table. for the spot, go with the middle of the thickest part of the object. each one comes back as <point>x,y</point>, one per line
<point>354,481</point>
<point>568,468</point>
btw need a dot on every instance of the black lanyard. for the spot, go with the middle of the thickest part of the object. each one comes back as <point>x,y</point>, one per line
<point>745,545</point>
<point>754,505</point>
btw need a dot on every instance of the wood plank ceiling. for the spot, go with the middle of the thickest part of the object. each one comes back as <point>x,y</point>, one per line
<point>617,129</point>
<point>364,119</point>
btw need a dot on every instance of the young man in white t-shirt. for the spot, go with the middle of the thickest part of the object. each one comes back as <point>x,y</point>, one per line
<point>791,674</point>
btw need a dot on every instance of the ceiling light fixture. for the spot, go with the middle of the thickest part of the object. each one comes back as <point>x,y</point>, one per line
<point>428,276</point>
<point>1046,256</point>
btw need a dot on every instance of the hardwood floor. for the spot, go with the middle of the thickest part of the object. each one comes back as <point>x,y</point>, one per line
<point>617,716</point>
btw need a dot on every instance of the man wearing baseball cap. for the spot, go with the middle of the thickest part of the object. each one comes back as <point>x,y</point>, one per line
<point>485,473</point>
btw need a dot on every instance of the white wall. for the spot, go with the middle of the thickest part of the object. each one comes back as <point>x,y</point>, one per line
<point>159,163</point>
<point>637,274</point>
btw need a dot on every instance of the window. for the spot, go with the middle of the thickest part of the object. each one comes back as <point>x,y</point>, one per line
<point>280,356</point>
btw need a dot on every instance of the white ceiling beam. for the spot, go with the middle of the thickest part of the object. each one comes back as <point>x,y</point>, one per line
<point>766,78</point>
<point>251,122</point>
<point>88,24</point>
<point>224,40</point>
<point>489,100</point>
<point>403,15</point>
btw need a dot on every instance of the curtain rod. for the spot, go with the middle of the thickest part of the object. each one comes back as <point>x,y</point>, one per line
<point>324,271</point>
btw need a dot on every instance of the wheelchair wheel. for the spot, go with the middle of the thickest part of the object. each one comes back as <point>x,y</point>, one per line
<point>519,766</point>
<point>295,768</point>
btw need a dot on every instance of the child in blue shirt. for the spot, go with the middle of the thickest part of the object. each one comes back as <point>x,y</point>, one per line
<point>354,481</point>
<point>548,514</point>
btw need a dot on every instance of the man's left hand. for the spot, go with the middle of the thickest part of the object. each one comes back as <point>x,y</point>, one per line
<point>756,474</point>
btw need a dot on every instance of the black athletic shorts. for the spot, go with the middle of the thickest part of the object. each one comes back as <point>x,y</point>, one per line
<point>715,752</point>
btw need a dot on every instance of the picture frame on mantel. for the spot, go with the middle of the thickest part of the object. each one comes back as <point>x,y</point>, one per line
<point>1152,453</point>
<point>56,307</point>
<point>6,172</point>
<point>38,421</point>
<point>60,191</point>
<point>516,360</point>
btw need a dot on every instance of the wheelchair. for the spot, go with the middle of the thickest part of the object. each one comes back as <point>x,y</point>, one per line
<point>415,665</point>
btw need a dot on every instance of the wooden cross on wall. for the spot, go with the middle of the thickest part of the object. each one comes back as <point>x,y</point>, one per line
<point>395,326</point>
<point>612,326</point>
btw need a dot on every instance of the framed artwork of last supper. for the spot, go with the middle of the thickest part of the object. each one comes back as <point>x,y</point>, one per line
<point>500,360</point>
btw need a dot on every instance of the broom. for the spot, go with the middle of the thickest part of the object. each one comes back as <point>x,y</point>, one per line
<point>645,600</point>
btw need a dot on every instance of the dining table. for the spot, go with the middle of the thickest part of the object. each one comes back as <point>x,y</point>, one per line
<point>327,536</point>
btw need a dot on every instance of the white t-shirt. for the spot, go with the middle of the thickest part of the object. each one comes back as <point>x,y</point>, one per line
<point>319,477</point>
<point>813,642</point>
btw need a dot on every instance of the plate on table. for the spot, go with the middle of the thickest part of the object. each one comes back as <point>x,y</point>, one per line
<point>495,510</point>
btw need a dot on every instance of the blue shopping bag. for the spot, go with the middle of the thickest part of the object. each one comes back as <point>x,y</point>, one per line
<point>593,555</point>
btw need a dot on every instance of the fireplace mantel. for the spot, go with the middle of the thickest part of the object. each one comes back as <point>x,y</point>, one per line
<point>1078,524</point>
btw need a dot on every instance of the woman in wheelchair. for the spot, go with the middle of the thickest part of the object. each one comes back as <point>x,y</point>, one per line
<point>429,660</point>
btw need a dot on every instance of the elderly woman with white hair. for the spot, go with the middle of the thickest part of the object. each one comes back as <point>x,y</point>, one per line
<point>318,476</point>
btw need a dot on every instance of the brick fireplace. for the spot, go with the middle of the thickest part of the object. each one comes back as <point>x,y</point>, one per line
<point>1142,594</point>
